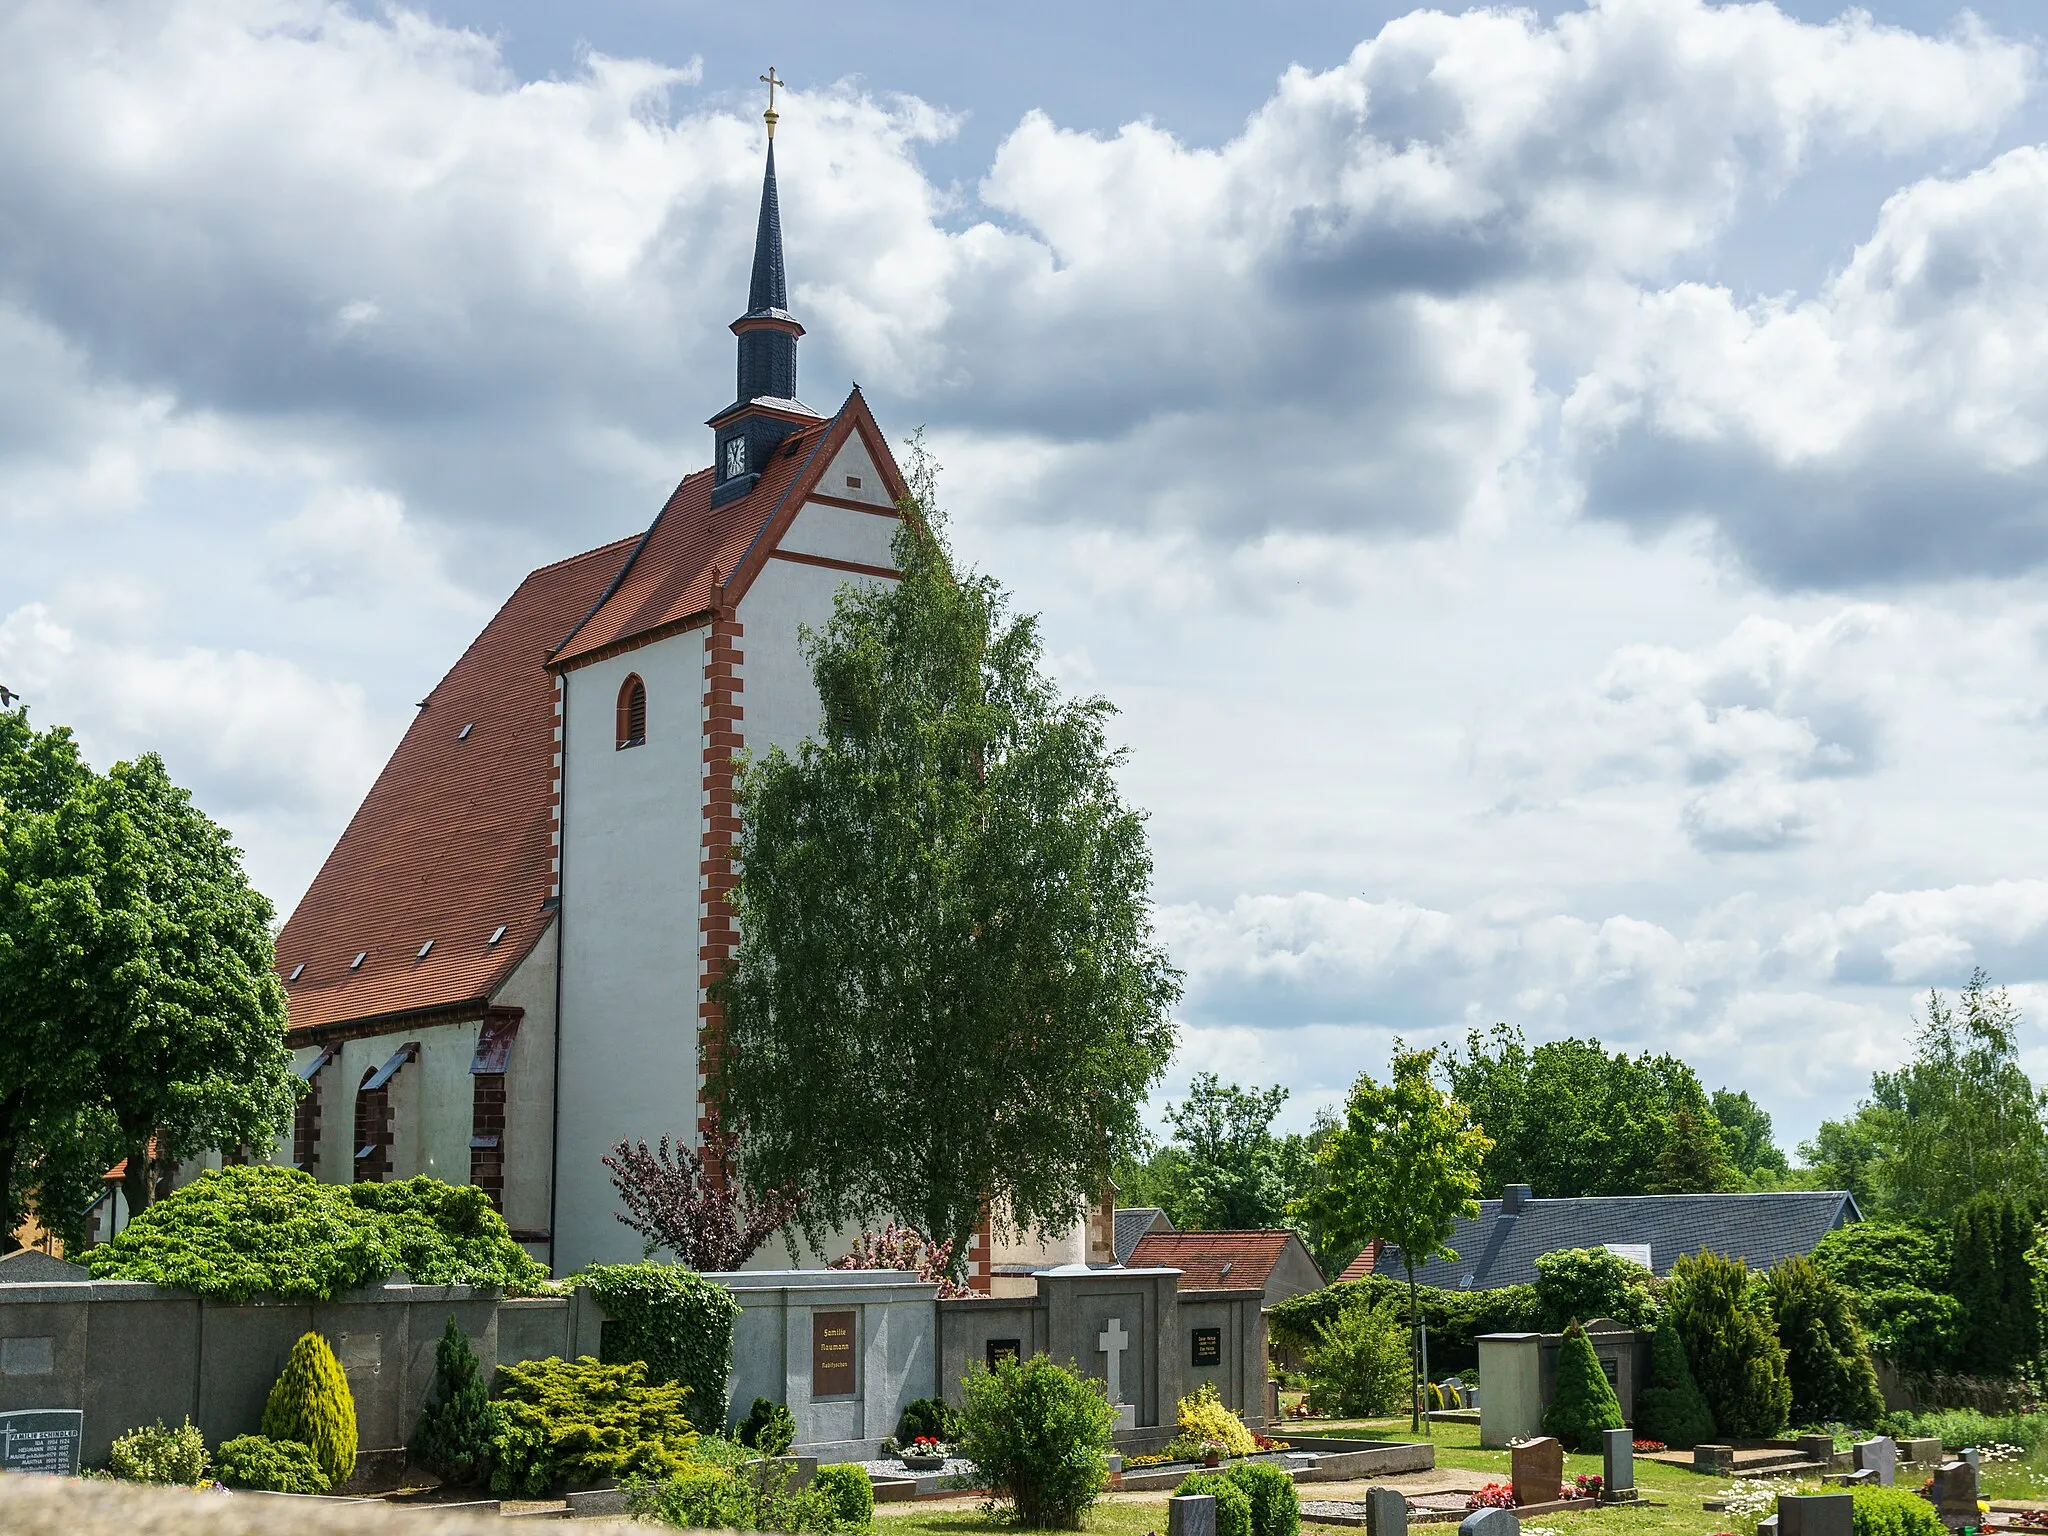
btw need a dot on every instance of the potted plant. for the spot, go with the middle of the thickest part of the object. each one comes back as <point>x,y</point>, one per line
<point>924,1454</point>
<point>1212,1453</point>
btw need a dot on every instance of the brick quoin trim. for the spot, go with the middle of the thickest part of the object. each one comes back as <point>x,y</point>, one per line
<point>717,935</point>
<point>487,1137</point>
<point>981,1255</point>
<point>374,1130</point>
<point>306,1128</point>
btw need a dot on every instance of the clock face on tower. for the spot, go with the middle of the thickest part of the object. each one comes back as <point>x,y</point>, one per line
<point>735,457</point>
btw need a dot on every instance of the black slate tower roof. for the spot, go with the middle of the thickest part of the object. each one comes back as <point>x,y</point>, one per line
<point>1502,1245</point>
<point>765,409</point>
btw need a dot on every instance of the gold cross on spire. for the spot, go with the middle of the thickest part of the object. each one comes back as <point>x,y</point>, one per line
<point>770,115</point>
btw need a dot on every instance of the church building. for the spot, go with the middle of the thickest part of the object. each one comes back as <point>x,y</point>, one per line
<point>501,970</point>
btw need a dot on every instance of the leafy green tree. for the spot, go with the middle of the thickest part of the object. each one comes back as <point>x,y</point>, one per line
<point>947,991</point>
<point>1568,1118</point>
<point>1584,1406</point>
<point>1580,1284</point>
<point>1232,1178</point>
<point>1826,1353</point>
<point>1848,1154</point>
<point>1999,1326</point>
<point>1358,1362</point>
<point>1897,1274</point>
<point>1746,1133</point>
<point>1692,1160</point>
<point>1402,1168</point>
<point>146,1021</point>
<point>1670,1408</point>
<point>1734,1352</point>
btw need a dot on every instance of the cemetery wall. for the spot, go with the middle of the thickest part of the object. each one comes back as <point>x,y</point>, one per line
<point>128,1353</point>
<point>1518,1375</point>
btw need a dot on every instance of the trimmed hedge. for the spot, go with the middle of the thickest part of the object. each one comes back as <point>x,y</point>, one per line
<point>1276,1507</point>
<point>235,1234</point>
<point>1233,1504</point>
<point>1456,1318</point>
<point>676,1321</point>
<point>848,1492</point>
<point>1894,1512</point>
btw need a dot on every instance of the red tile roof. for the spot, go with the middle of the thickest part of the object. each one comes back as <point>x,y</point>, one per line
<point>1362,1266</point>
<point>1214,1261</point>
<point>454,838</point>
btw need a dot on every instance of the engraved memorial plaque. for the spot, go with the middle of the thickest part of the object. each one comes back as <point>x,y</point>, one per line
<point>1000,1350</point>
<point>832,1373</point>
<point>42,1440</point>
<point>1208,1347</point>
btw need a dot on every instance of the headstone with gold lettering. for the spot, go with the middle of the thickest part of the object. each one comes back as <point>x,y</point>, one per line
<point>42,1440</point>
<point>832,1354</point>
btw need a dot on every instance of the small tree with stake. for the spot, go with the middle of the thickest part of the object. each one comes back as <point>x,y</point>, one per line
<point>1402,1169</point>
<point>687,1200</point>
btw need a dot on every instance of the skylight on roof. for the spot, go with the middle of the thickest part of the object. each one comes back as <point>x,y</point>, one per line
<point>297,971</point>
<point>497,933</point>
<point>463,734</point>
<point>361,956</point>
<point>423,950</point>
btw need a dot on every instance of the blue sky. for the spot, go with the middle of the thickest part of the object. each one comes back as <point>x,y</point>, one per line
<point>1556,496</point>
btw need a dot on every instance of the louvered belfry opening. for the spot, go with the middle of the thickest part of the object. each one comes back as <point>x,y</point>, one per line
<point>632,713</point>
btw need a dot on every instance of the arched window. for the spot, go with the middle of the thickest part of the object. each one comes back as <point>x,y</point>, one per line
<point>632,713</point>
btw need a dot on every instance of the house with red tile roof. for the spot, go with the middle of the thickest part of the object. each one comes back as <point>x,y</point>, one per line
<point>1275,1262</point>
<point>501,970</point>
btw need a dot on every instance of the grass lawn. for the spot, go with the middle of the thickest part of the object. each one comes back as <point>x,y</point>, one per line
<point>1677,1492</point>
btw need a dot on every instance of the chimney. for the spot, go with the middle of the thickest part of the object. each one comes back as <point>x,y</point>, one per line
<point>1512,1198</point>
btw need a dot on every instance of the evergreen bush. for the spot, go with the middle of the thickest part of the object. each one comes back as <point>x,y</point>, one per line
<point>454,1435</point>
<point>1358,1362</point>
<point>1276,1508</point>
<point>1203,1417</point>
<point>1736,1358</point>
<point>768,1428</point>
<point>1584,1406</point>
<point>1580,1284</point>
<point>1670,1407</point>
<point>156,1453</point>
<point>677,1322</point>
<point>236,1234</point>
<point>576,1421</point>
<point>1038,1435</point>
<point>928,1418</point>
<point>312,1404</point>
<point>848,1493</point>
<point>697,1499</point>
<point>1233,1504</point>
<point>1990,1277</point>
<point>1885,1255</point>
<point>273,1466</point>
<point>1826,1354</point>
<point>1914,1329</point>
<point>1893,1512</point>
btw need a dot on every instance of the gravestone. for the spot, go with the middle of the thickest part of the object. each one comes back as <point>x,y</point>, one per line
<point>1537,1468</point>
<point>1863,1477</point>
<point>1714,1458</point>
<point>1973,1456</point>
<point>1768,1526</point>
<point>1617,1464</point>
<point>1955,1494</point>
<point>1927,1451</point>
<point>1452,1391</point>
<point>1816,1514</point>
<point>1192,1515</point>
<point>1490,1522</point>
<point>1879,1457</point>
<point>1386,1512</point>
<point>42,1440</point>
<point>1820,1448</point>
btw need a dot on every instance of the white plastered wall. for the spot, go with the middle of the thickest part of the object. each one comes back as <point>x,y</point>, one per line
<point>631,845</point>
<point>529,1091</point>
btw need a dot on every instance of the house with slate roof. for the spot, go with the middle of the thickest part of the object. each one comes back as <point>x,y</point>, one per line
<point>502,969</point>
<point>1502,1244</point>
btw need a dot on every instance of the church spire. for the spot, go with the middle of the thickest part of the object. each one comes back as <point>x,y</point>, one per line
<point>766,408</point>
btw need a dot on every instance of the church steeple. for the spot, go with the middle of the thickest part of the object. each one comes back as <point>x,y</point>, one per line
<point>765,409</point>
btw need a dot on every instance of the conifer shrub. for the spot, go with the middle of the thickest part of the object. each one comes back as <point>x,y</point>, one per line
<point>1038,1435</point>
<point>1670,1408</point>
<point>312,1404</point>
<point>1233,1504</point>
<point>235,1234</point>
<point>928,1418</point>
<point>1584,1406</point>
<point>1893,1512</point>
<point>1736,1358</point>
<point>1203,1416</point>
<point>769,1428</point>
<point>456,1426</point>
<point>1826,1354</point>
<point>1999,1327</point>
<point>567,1422</point>
<point>156,1453</point>
<point>272,1466</point>
<point>677,1322</point>
<point>848,1493</point>
<point>1358,1362</point>
<point>1276,1508</point>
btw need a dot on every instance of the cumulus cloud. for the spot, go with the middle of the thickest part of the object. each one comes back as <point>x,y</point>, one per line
<point>1894,425</point>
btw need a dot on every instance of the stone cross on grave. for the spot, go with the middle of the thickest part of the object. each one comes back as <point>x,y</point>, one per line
<point>1113,1341</point>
